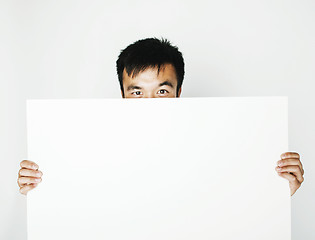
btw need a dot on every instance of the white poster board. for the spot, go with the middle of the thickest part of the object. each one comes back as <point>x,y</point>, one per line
<point>152,169</point>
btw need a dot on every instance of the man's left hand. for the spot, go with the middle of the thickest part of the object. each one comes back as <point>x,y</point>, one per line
<point>290,167</point>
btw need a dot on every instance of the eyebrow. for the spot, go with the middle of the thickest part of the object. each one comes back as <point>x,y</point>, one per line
<point>132,87</point>
<point>165,83</point>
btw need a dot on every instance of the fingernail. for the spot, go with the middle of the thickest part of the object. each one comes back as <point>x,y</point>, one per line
<point>37,179</point>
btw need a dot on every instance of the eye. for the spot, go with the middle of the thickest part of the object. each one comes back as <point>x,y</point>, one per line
<point>136,93</point>
<point>162,91</point>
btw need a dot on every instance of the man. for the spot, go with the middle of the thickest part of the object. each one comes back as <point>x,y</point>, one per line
<point>153,68</point>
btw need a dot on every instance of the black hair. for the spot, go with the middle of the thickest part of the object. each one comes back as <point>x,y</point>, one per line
<point>149,53</point>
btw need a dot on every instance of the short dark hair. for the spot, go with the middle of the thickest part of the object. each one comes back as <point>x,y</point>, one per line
<point>150,53</point>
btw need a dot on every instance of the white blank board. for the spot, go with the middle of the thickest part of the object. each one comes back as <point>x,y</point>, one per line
<point>167,168</point>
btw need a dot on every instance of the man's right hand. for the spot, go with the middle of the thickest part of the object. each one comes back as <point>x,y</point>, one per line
<point>29,176</point>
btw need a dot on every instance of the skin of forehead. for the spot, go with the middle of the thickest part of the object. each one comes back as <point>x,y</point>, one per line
<point>144,78</point>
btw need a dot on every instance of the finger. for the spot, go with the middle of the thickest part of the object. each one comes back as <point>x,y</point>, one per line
<point>24,190</point>
<point>289,155</point>
<point>295,170</point>
<point>28,180</point>
<point>30,173</point>
<point>29,164</point>
<point>293,182</point>
<point>20,184</point>
<point>290,161</point>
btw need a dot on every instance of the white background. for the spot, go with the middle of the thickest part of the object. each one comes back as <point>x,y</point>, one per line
<point>68,49</point>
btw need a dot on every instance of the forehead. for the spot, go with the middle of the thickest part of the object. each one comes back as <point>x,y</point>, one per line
<point>151,76</point>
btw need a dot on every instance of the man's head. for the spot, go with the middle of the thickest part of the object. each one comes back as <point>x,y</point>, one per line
<point>150,68</point>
